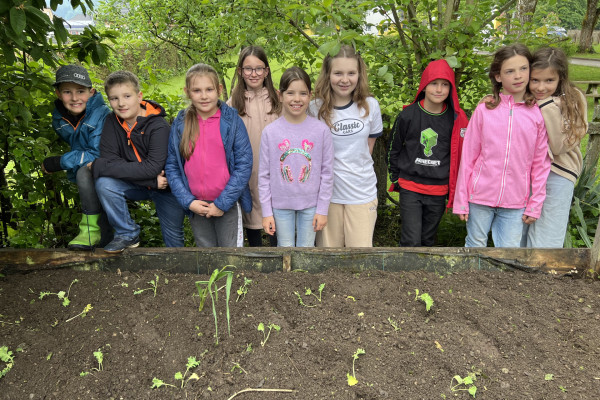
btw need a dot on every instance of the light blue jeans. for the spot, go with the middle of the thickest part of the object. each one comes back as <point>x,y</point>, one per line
<point>506,225</point>
<point>549,230</point>
<point>295,224</point>
<point>114,193</point>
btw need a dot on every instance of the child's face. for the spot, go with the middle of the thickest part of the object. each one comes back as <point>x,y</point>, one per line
<point>543,82</point>
<point>343,78</point>
<point>74,96</point>
<point>204,95</point>
<point>514,76</point>
<point>436,92</point>
<point>295,101</point>
<point>125,102</point>
<point>254,72</point>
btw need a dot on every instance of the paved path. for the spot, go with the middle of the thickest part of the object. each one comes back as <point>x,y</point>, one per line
<point>585,61</point>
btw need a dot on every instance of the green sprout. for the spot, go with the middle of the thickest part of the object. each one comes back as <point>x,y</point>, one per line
<point>6,356</point>
<point>209,287</point>
<point>466,383</point>
<point>394,324</point>
<point>62,295</point>
<point>425,298</point>
<point>153,286</point>
<point>100,359</point>
<point>243,290</point>
<point>309,292</point>
<point>261,327</point>
<point>192,362</point>
<point>352,378</point>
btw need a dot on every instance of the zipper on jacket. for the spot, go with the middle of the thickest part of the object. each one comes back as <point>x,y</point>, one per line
<point>506,154</point>
<point>201,137</point>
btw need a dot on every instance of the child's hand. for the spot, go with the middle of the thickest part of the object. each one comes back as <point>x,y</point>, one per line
<point>213,211</point>
<point>161,180</point>
<point>463,217</point>
<point>89,165</point>
<point>199,207</point>
<point>269,225</point>
<point>528,220</point>
<point>319,222</point>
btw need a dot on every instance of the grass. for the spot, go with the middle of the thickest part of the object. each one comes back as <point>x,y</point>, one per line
<point>593,56</point>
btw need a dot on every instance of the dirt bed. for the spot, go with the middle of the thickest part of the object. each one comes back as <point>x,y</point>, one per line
<point>517,335</point>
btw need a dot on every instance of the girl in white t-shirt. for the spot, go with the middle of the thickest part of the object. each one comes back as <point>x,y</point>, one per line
<point>343,102</point>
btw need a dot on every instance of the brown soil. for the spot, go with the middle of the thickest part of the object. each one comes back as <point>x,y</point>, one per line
<point>508,329</point>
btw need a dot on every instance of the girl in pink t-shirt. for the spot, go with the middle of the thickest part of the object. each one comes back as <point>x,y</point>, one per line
<point>209,165</point>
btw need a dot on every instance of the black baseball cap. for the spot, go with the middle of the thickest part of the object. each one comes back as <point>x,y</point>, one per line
<point>74,74</point>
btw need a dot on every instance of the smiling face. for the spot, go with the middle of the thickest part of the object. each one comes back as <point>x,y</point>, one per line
<point>343,78</point>
<point>436,92</point>
<point>295,101</point>
<point>74,96</point>
<point>254,72</point>
<point>125,102</point>
<point>204,94</point>
<point>514,76</point>
<point>543,82</point>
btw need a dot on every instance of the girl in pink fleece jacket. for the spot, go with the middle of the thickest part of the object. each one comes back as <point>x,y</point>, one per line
<point>505,163</point>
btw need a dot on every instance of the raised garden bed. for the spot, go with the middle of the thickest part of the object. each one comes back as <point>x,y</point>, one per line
<point>518,334</point>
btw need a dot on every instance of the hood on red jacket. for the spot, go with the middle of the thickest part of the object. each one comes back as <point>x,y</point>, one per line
<point>439,69</point>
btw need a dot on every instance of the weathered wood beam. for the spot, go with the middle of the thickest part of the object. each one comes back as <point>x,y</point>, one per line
<point>204,261</point>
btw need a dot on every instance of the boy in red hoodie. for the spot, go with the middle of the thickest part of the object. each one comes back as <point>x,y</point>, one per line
<point>424,154</point>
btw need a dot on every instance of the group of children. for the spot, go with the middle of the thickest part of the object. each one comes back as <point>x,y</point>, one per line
<point>299,166</point>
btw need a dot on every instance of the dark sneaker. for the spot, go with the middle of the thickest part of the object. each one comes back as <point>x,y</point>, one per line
<point>119,244</point>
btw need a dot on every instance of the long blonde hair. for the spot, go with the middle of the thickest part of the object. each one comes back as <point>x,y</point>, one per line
<point>572,106</point>
<point>190,125</point>
<point>324,91</point>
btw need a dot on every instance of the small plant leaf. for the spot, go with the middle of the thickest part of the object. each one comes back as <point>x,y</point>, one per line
<point>179,376</point>
<point>261,327</point>
<point>549,377</point>
<point>467,381</point>
<point>351,380</point>
<point>194,376</point>
<point>156,383</point>
<point>473,390</point>
<point>61,294</point>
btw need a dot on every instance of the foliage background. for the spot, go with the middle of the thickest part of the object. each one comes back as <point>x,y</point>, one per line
<point>160,39</point>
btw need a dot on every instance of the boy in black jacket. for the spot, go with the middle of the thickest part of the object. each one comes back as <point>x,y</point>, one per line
<point>133,151</point>
<point>425,154</point>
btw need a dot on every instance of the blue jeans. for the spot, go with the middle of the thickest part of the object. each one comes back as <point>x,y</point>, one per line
<point>506,225</point>
<point>550,228</point>
<point>287,222</point>
<point>114,193</point>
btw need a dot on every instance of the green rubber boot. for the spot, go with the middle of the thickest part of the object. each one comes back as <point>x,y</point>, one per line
<point>89,233</point>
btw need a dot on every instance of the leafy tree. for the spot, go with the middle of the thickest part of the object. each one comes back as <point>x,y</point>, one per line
<point>31,45</point>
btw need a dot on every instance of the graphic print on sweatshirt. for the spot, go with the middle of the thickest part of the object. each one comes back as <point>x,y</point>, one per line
<point>286,171</point>
<point>429,139</point>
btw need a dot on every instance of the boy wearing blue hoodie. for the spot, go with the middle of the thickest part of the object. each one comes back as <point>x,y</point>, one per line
<point>78,118</point>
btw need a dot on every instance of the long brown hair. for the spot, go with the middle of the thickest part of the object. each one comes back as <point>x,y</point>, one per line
<point>501,55</point>
<point>190,125</point>
<point>238,99</point>
<point>572,106</point>
<point>323,89</point>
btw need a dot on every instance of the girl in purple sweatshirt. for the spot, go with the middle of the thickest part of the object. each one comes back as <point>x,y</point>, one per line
<point>295,176</point>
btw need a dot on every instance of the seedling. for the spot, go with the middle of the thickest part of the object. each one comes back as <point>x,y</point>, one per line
<point>153,286</point>
<point>261,327</point>
<point>6,356</point>
<point>100,359</point>
<point>62,295</point>
<point>83,314</point>
<point>394,324</point>
<point>425,298</point>
<point>243,290</point>
<point>238,366</point>
<point>352,378</point>
<point>192,362</point>
<point>308,292</point>
<point>209,287</point>
<point>465,383</point>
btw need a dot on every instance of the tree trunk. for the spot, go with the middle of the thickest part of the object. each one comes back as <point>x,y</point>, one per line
<point>587,27</point>
<point>525,10</point>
